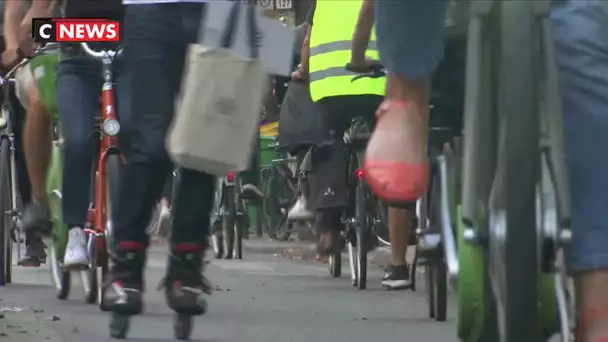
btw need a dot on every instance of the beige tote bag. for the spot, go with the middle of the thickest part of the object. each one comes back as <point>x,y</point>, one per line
<point>217,115</point>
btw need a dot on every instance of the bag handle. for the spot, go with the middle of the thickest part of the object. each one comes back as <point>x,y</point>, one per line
<point>253,31</point>
<point>231,25</point>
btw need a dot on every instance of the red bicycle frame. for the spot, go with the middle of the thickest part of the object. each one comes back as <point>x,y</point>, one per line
<point>108,145</point>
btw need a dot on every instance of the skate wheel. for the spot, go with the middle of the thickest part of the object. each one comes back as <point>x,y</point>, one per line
<point>119,326</point>
<point>183,326</point>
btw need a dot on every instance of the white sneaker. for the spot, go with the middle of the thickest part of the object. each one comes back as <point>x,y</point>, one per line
<point>299,211</point>
<point>76,251</point>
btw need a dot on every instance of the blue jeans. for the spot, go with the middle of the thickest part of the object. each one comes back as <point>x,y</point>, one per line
<point>410,41</point>
<point>78,89</point>
<point>155,42</point>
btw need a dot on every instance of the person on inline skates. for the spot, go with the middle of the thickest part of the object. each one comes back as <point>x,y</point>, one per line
<point>36,136</point>
<point>156,37</point>
<point>410,42</point>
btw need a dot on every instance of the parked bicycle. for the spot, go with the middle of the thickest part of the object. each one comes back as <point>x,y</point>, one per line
<point>229,218</point>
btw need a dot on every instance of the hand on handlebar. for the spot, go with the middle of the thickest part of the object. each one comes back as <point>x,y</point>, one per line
<point>364,66</point>
<point>298,76</point>
<point>12,57</point>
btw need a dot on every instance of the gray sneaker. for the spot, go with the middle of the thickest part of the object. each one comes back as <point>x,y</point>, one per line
<point>37,218</point>
<point>35,253</point>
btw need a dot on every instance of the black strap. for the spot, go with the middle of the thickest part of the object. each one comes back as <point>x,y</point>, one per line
<point>254,44</point>
<point>232,25</point>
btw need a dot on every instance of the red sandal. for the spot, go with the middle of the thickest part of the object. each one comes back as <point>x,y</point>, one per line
<point>396,181</point>
<point>586,319</point>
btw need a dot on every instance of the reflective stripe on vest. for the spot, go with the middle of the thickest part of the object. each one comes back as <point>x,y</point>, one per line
<point>330,51</point>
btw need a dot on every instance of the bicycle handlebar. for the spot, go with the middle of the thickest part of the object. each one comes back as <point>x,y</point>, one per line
<point>371,71</point>
<point>99,54</point>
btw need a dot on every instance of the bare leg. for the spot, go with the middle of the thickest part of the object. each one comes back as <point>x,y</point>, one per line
<point>399,227</point>
<point>37,151</point>
<point>396,157</point>
<point>37,144</point>
<point>592,304</point>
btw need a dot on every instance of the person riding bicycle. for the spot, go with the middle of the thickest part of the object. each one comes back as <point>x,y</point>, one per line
<point>78,88</point>
<point>342,100</point>
<point>410,41</point>
<point>322,63</point>
<point>36,132</point>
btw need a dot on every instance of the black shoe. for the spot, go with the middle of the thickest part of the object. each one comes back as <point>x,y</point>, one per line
<point>124,293</point>
<point>397,278</point>
<point>35,253</point>
<point>37,218</point>
<point>185,286</point>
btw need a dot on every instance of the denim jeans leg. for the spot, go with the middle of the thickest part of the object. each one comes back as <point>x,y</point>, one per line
<point>156,38</point>
<point>78,88</point>
<point>581,31</point>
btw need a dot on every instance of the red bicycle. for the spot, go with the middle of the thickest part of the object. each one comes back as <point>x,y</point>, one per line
<point>105,188</point>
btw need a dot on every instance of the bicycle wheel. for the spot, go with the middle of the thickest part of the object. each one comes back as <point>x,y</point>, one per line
<point>335,265</point>
<point>5,222</point>
<point>362,232</point>
<point>239,229</point>
<point>61,278</point>
<point>98,270</point>
<point>280,198</point>
<point>229,220</point>
<point>513,235</point>
<point>436,268</point>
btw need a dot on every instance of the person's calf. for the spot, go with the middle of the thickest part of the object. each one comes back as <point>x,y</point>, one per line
<point>328,226</point>
<point>396,161</point>
<point>400,224</point>
<point>37,144</point>
<point>592,306</point>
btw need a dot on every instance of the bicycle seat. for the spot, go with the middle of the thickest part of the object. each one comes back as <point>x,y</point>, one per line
<point>358,132</point>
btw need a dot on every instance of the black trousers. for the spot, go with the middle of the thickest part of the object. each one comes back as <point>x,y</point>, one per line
<point>155,42</point>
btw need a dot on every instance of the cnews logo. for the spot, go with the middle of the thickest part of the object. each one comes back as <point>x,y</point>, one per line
<point>47,30</point>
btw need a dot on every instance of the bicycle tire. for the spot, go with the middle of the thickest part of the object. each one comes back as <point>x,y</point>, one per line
<point>440,289</point>
<point>100,267</point>
<point>61,279</point>
<point>429,286</point>
<point>513,231</point>
<point>5,229</point>
<point>362,232</point>
<point>436,267</point>
<point>335,264</point>
<point>229,221</point>
<point>278,205</point>
<point>239,228</point>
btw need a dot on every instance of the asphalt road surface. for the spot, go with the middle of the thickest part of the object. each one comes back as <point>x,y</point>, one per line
<point>263,298</point>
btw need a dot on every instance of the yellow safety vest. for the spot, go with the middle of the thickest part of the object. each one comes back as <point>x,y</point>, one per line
<point>330,45</point>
